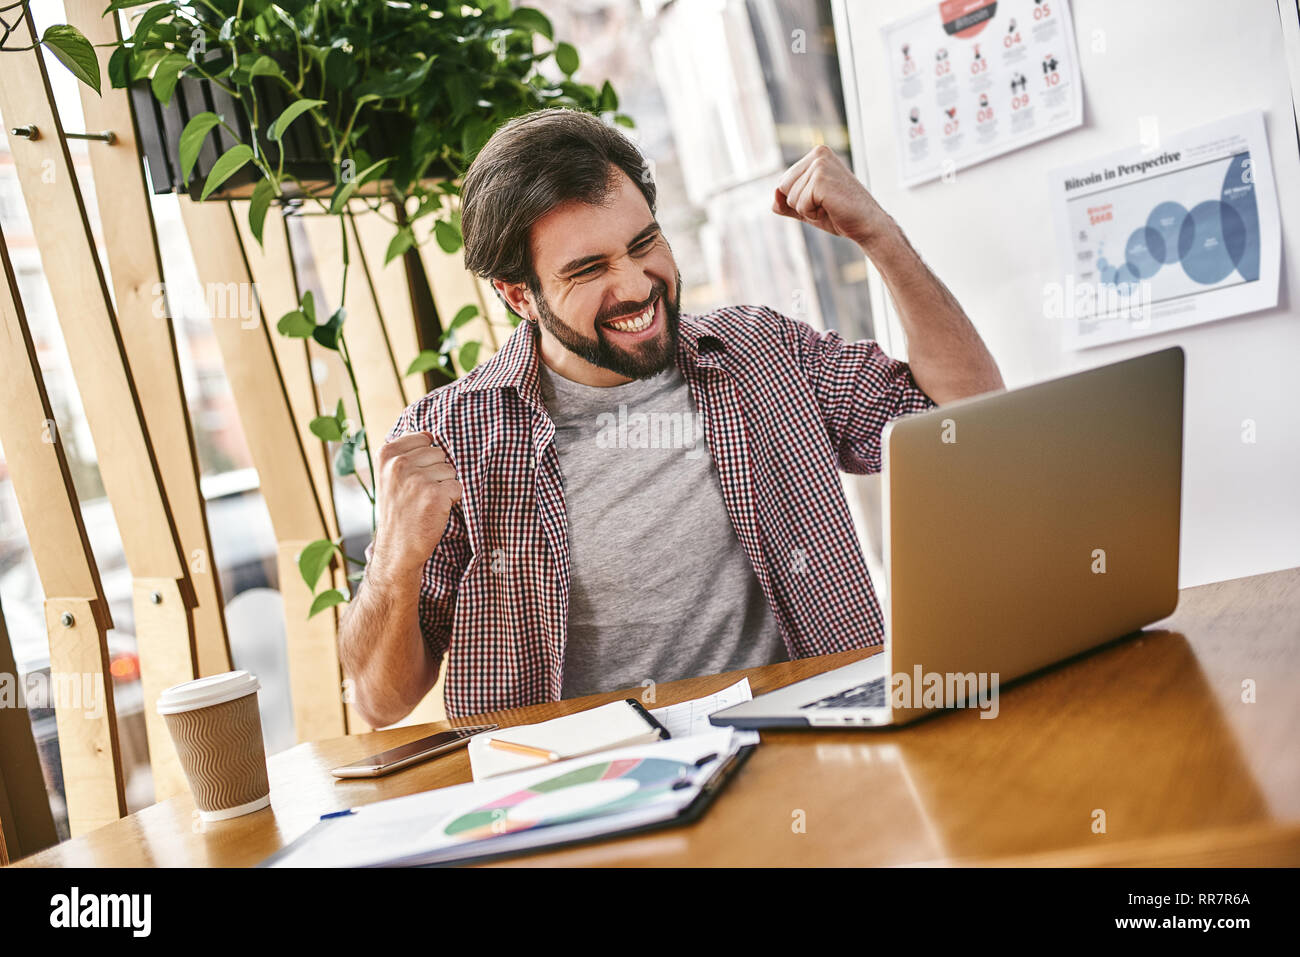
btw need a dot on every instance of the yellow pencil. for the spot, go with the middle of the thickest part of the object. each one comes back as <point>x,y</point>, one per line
<point>523,749</point>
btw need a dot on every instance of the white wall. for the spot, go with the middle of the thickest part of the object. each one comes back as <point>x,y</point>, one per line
<point>989,236</point>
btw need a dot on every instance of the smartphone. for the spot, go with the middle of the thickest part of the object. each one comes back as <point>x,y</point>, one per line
<point>405,755</point>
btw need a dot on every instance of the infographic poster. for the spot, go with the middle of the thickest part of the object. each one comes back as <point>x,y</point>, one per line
<point>972,79</point>
<point>1170,233</point>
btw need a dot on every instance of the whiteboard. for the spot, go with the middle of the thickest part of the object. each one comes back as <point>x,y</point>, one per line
<point>988,234</point>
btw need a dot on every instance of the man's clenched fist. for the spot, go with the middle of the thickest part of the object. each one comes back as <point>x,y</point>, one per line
<point>820,190</point>
<point>415,488</point>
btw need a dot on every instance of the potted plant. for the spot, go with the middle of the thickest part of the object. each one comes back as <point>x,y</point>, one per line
<point>325,102</point>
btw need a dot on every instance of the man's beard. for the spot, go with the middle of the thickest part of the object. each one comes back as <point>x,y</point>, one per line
<point>649,359</point>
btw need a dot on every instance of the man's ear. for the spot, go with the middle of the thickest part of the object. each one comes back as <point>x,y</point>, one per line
<point>514,296</point>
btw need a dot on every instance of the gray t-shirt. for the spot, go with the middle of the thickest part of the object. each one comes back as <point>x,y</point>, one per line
<point>660,588</point>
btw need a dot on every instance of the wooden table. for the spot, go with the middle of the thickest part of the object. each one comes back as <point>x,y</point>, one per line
<point>1151,730</point>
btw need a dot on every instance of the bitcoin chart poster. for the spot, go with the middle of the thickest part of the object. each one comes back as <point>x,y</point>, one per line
<point>1170,233</point>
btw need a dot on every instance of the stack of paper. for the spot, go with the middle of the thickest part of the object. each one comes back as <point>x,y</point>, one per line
<point>574,733</point>
<point>559,803</point>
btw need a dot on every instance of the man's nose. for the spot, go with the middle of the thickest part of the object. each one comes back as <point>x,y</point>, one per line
<point>632,284</point>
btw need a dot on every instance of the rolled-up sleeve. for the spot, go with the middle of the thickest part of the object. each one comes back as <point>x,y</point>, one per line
<point>858,389</point>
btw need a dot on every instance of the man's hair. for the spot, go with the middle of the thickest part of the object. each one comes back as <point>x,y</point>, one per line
<point>532,164</point>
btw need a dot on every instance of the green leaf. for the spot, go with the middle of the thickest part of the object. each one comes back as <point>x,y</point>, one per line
<point>426,360</point>
<point>149,19</point>
<point>403,241</point>
<point>341,196</point>
<point>229,163</point>
<point>340,68</point>
<point>74,51</point>
<point>143,61</point>
<point>327,599</point>
<point>473,135</point>
<point>191,142</point>
<point>327,334</point>
<point>295,325</point>
<point>291,113</point>
<point>338,412</point>
<point>166,76</point>
<point>264,66</point>
<point>314,559</point>
<point>468,356</point>
<point>309,308</point>
<point>534,20</point>
<point>448,236</point>
<point>411,81</point>
<point>263,193</point>
<point>119,66</point>
<point>566,58</point>
<point>622,119</point>
<point>608,98</point>
<point>326,427</point>
<point>123,4</point>
<point>465,314</point>
<point>345,459</point>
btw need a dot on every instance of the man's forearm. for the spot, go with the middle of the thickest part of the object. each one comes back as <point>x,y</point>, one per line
<point>381,648</point>
<point>948,358</point>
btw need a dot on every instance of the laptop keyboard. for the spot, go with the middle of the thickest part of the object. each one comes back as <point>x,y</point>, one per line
<point>869,694</point>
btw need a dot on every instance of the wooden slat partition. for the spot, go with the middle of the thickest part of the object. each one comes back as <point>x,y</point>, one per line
<point>26,823</point>
<point>373,364</point>
<point>454,287</point>
<point>286,482</point>
<point>371,332</point>
<point>127,464</point>
<point>319,380</point>
<point>272,268</point>
<point>88,744</point>
<point>373,233</point>
<point>131,242</point>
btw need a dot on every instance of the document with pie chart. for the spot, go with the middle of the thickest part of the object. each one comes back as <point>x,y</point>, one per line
<point>1172,232</point>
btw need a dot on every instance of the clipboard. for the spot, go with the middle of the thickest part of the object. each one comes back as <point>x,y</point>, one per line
<point>319,846</point>
<point>688,815</point>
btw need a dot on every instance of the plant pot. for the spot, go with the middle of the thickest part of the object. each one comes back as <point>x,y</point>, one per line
<point>159,130</point>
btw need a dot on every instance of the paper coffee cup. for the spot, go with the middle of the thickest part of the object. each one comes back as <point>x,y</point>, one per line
<point>215,725</point>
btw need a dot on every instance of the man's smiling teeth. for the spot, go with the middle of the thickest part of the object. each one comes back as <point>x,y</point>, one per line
<point>636,323</point>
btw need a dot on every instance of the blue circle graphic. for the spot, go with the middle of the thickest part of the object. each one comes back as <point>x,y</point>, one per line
<point>1211,241</point>
<point>1126,279</point>
<point>1167,220</point>
<point>1239,193</point>
<point>1144,252</point>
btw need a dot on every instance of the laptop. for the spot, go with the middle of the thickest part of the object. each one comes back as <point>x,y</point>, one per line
<point>1021,528</point>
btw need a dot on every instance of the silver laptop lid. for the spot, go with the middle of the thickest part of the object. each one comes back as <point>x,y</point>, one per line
<point>1023,527</point>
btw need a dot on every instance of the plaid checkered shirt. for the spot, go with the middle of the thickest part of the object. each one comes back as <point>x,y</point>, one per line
<point>785,408</point>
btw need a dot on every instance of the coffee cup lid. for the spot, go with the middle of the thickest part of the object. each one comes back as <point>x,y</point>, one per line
<point>205,692</point>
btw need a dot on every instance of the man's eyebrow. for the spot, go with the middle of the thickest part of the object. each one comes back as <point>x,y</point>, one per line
<point>586,260</point>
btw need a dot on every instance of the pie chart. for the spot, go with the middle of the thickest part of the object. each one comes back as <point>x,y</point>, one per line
<point>602,787</point>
